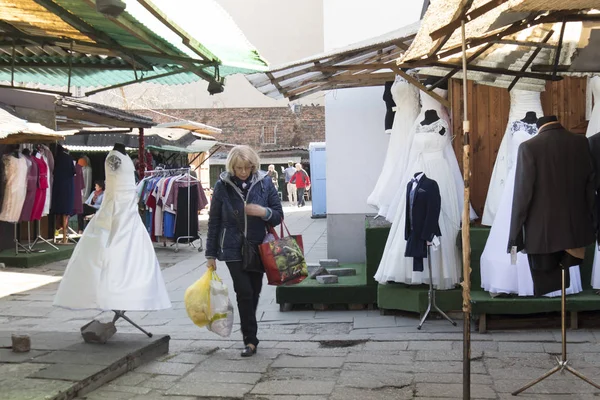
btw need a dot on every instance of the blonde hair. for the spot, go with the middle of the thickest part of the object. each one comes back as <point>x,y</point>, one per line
<point>271,167</point>
<point>242,153</point>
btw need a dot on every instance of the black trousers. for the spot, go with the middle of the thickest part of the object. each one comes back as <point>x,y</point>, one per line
<point>301,201</point>
<point>87,210</point>
<point>247,286</point>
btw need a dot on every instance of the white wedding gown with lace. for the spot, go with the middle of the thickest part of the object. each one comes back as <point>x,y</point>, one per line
<point>521,101</point>
<point>114,266</point>
<point>498,274</point>
<point>427,154</point>
<point>406,97</point>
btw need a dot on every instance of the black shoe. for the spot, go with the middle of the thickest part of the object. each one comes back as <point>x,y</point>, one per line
<point>248,351</point>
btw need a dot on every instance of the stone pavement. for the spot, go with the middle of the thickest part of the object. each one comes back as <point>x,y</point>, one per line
<point>310,355</point>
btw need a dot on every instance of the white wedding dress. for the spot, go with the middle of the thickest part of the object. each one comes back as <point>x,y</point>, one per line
<point>429,103</point>
<point>406,97</point>
<point>521,101</point>
<point>114,267</point>
<point>427,155</point>
<point>592,129</point>
<point>498,274</point>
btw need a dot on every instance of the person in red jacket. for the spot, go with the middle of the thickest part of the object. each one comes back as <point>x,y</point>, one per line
<point>302,182</point>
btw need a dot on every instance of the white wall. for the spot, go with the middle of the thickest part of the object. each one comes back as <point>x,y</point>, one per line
<point>356,141</point>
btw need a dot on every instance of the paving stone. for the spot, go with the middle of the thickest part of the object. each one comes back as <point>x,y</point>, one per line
<point>342,271</point>
<point>327,279</point>
<point>128,389</point>
<point>286,361</point>
<point>329,262</point>
<point>294,386</point>
<point>242,365</point>
<point>374,379</point>
<point>205,389</point>
<point>477,367</point>
<point>346,393</point>
<point>374,322</point>
<point>9,356</point>
<point>380,357</point>
<point>321,374</point>
<point>131,379</point>
<point>188,358</point>
<point>432,390</point>
<point>71,357</point>
<point>315,270</point>
<point>425,377</point>
<point>68,372</point>
<point>386,346</point>
<point>573,387</point>
<point>161,396</point>
<point>250,378</point>
<point>452,355</point>
<point>280,397</point>
<point>445,346</point>
<point>165,368</point>
<point>520,347</point>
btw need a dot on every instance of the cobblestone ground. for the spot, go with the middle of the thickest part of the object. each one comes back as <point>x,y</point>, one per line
<point>310,355</point>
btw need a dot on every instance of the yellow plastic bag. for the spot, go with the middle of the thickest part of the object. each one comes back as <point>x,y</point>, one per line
<point>197,300</point>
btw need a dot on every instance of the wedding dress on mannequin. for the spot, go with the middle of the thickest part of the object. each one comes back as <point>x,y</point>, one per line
<point>521,101</point>
<point>114,267</point>
<point>427,154</point>
<point>498,274</point>
<point>406,97</point>
<point>592,129</point>
<point>429,103</point>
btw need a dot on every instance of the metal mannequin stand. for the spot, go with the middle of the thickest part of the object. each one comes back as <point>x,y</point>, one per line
<point>431,296</point>
<point>562,363</point>
<point>19,248</point>
<point>40,238</point>
<point>121,314</point>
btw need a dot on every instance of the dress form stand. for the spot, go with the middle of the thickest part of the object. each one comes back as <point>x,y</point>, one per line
<point>121,314</point>
<point>19,248</point>
<point>431,296</point>
<point>40,237</point>
<point>562,362</point>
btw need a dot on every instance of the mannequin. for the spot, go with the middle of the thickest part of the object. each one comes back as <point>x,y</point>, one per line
<point>530,117</point>
<point>63,189</point>
<point>390,107</point>
<point>430,117</point>
<point>120,147</point>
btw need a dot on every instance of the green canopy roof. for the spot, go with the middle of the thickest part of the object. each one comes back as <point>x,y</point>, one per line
<point>68,43</point>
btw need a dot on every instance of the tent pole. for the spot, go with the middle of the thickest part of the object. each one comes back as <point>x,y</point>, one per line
<point>466,234</point>
<point>141,154</point>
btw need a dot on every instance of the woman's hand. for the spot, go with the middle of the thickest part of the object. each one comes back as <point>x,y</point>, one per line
<point>211,263</point>
<point>255,210</point>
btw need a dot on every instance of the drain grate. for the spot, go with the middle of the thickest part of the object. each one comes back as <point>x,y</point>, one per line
<point>340,343</point>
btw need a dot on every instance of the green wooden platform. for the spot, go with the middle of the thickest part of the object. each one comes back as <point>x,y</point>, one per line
<point>28,260</point>
<point>349,290</point>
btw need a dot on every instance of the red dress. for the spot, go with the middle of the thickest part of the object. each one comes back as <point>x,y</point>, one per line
<point>42,187</point>
<point>31,185</point>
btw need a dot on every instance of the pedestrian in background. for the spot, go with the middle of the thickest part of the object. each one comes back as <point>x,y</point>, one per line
<point>291,188</point>
<point>302,182</point>
<point>243,202</point>
<point>274,176</point>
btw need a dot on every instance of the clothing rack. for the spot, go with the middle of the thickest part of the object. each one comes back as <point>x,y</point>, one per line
<point>18,244</point>
<point>186,172</point>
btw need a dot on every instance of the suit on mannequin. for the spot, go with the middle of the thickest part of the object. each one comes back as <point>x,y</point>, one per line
<point>594,142</point>
<point>554,172</point>
<point>423,206</point>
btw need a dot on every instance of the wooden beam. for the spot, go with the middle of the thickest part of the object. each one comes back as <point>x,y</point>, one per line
<point>361,77</point>
<point>418,84</point>
<point>449,28</point>
<point>355,67</point>
<point>524,44</point>
<point>462,8</point>
<point>472,58</point>
<point>497,71</point>
<point>531,58</point>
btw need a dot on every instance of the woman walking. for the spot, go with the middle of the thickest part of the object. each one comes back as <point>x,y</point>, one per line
<point>302,182</point>
<point>243,203</point>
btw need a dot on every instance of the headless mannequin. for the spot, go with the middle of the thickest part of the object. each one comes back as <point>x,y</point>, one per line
<point>430,117</point>
<point>120,147</point>
<point>530,117</point>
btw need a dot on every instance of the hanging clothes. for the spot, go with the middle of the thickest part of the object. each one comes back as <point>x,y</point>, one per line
<point>63,187</point>
<point>42,187</point>
<point>31,189</point>
<point>15,187</point>
<point>186,222</point>
<point>79,187</point>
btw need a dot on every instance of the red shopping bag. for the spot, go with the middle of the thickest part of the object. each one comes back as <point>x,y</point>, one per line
<point>283,258</point>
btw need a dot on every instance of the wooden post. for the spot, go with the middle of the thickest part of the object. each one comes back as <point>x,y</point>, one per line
<point>141,154</point>
<point>466,233</point>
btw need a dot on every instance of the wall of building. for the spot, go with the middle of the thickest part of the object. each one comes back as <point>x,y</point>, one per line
<point>246,125</point>
<point>356,142</point>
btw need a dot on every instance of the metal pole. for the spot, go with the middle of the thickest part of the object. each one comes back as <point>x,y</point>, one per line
<point>141,153</point>
<point>466,234</point>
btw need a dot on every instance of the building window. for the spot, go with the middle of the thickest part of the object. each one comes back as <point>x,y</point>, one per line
<point>268,135</point>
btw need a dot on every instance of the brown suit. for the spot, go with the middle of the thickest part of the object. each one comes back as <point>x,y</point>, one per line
<point>553,203</point>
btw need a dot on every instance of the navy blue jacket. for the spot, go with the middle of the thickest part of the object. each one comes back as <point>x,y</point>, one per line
<point>427,205</point>
<point>224,239</point>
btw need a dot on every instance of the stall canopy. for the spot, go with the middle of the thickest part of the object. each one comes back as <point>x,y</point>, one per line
<point>510,43</point>
<point>15,130</point>
<point>192,126</point>
<point>366,63</point>
<point>162,139</point>
<point>66,43</point>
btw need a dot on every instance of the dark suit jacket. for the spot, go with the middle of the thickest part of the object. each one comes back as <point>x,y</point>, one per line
<point>594,142</point>
<point>553,201</point>
<point>426,214</point>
